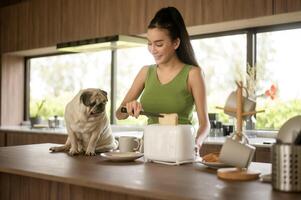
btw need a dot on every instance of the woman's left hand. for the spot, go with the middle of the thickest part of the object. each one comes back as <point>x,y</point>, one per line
<point>201,136</point>
<point>197,147</point>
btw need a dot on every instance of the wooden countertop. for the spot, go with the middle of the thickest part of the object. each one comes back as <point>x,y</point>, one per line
<point>190,181</point>
<point>132,131</point>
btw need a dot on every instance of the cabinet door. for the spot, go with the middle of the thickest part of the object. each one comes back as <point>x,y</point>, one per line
<point>284,6</point>
<point>2,139</point>
<point>9,28</point>
<point>189,9</point>
<point>44,21</point>
<point>22,138</point>
<point>84,19</point>
<point>237,9</point>
<point>30,24</point>
<point>122,17</point>
<point>263,154</point>
<point>12,89</point>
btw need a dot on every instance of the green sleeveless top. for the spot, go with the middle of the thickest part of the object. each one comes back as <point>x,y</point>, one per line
<point>172,97</point>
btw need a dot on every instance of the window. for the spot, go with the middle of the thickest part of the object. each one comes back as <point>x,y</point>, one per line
<point>57,79</point>
<point>129,63</point>
<point>278,62</point>
<point>222,58</point>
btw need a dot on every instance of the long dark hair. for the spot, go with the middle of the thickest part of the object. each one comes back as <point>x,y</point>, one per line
<point>170,18</point>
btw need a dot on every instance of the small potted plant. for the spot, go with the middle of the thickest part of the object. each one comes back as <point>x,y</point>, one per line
<point>36,119</point>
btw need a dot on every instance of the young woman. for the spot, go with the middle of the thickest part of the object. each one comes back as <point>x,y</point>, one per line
<point>175,83</point>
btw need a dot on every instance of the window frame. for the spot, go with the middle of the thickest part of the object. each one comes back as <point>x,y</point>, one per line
<point>251,59</point>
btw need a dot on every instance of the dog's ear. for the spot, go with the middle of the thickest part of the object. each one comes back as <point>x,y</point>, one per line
<point>85,98</point>
<point>104,92</point>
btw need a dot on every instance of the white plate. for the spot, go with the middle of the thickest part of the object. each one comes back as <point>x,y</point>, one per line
<point>215,165</point>
<point>122,156</point>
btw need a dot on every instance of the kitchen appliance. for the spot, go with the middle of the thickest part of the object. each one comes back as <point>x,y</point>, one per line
<point>103,43</point>
<point>286,157</point>
<point>55,122</point>
<point>169,144</point>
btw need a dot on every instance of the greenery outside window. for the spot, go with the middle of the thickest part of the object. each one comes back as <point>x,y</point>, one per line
<point>57,79</point>
<point>278,63</point>
<point>222,59</point>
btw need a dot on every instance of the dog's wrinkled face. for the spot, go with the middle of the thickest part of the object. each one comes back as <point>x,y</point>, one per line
<point>95,101</point>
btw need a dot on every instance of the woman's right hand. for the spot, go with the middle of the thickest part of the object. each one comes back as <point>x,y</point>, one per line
<point>133,108</point>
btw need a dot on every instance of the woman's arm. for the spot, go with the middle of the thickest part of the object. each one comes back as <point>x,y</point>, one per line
<point>133,94</point>
<point>196,84</point>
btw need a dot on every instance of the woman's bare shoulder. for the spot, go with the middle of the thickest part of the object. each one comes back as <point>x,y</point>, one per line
<point>195,71</point>
<point>144,69</point>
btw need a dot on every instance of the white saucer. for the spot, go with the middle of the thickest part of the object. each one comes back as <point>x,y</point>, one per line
<point>121,156</point>
<point>215,165</point>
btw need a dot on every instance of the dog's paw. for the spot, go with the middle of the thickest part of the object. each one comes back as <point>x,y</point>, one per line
<point>73,152</point>
<point>52,149</point>
<point>90,153</point>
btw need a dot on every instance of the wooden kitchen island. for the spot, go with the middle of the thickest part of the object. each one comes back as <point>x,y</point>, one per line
<point>31,172</point>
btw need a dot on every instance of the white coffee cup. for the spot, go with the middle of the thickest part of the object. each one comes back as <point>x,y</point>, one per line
<point>249,105</point>
<point>236,153</point>
<point>128,144</point>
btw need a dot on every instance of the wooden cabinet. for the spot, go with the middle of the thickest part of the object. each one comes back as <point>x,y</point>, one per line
<point>284,6</point>
<point>9,28</point>
<point>31,24</point>
<point>44,23</point>
<point>83,19</point>
<point>2,139</point>
<point>190,10</point>
<point>197,12</point>
<point>22,138</point>
<point>35,24</point>
<point>80,20</point>
<point>12,90</point>
<point>262,154</point>
<point>237,9</point>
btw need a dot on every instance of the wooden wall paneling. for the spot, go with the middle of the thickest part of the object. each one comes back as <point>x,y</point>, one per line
<point>24,32</point>
<point>212,11</point>
<point>44,23</point>
<point>12,89</point>
<point>21,138</point>
<point>28,188</point>
<point>84,19</point>
<point>284,6</point>
<point>189,9</point>
<point>2,139</point>
<point>237,9</point>
<point>4,185</point>
<point>79,19</point>
<point>10,2</point>
<point>122,17</point>
<point>9,28</point>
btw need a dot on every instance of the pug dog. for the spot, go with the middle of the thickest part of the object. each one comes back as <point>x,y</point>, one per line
<point>87,124</point>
